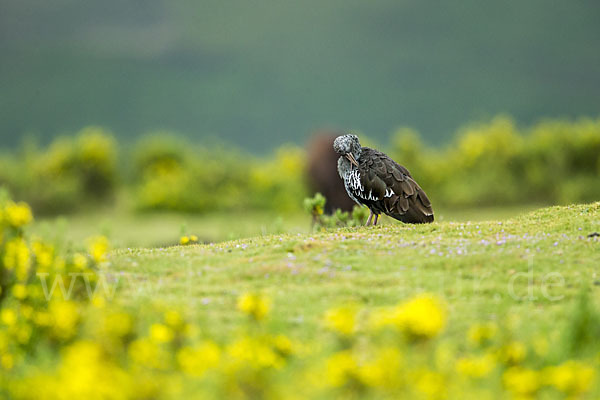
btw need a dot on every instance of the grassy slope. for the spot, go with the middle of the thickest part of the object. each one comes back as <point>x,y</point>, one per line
<point>125,228</point>
<point>470,264</point>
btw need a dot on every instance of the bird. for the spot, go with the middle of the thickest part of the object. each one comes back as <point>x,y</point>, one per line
<point>373,179</point>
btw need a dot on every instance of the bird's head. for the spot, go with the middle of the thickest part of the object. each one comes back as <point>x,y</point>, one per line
<point>349,147</point>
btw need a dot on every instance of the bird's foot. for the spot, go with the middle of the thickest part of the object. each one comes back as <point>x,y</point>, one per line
<point>370,218</point>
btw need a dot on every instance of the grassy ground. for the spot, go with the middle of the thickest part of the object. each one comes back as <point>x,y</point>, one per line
<point>159,229</point>
<point>529,268</point>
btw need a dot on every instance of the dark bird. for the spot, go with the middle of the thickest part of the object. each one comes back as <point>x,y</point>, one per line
<point>375,180</point>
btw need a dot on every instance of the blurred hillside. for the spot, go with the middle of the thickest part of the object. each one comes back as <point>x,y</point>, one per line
<point>259,74</point>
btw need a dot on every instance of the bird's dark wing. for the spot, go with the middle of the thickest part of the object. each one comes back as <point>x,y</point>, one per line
<point>388,187</point>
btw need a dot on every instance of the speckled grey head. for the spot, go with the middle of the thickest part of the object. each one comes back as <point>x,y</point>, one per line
<point>347,144</point>
<point>349,147</point>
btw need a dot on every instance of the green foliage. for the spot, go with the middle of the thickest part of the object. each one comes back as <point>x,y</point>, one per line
<point>488,164</point>
<point>584,326</point>
<point>71,172</point>
<point>553,162</point>
<point>173,175</point>
<point>315,206</point>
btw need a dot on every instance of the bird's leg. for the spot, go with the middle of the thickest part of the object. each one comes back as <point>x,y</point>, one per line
<point>376,218</point>
<point>370,218</point>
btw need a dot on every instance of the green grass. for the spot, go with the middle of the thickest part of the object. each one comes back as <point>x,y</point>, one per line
<point>159,229</point>
<point>531,267</point>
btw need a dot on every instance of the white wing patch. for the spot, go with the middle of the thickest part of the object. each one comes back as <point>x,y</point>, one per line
<point>353,180</point>
<point>355,188</point>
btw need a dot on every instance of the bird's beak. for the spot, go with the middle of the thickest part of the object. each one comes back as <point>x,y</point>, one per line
<point>352,160</point>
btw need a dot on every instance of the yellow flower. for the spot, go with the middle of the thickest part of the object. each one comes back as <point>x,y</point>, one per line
<point>255,352</point>
<point>421,317</point>
<point>19,291</point>
<point>17,214</point>
<point>98,301</point>
<point>86,372</point>
<point>118,324</point>
<point>44,255</point>
<point>7,361</point>
<point>341,320</point>
<point>283,345</point>
<point>42,318</point>
<point>512,353</point>
<point>23,333</point>
<point>184,240</point>
<point>430,383</point>
<point>147,353</point>
<point>174,319</point>
<point>384,369</point>
<point>98,248</point>
<point>65,318</point>
<point>160,333</point>
<point>521,381</point>
<point>480,334</point>
<point>80,261</point>
<point>198,359</point>
<point>570,377</point>
<point>341,368</point>
<point>255,305</point>
<point>476,366</point>
<point>193,238</point>
<point>17,258</point>
<point>8,316</point>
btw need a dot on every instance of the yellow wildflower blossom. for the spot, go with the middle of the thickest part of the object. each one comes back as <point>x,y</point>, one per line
<point>430,383</point>
<point>17,214</point>
<point>570,377</point>
<point>8,316</point>
<point>341,368</point>
<point>521,381</point>
<point>98,248</point>
<point>341,320</point>
<point>421,317</point>
<point>255,352</point>
<point>198,359</point>
<point>283,345</point>
<point>7,361</point>
<point>117,324</point>
<point>44,255</point>
<point>255,305</point>
<point>80,261</point>
<point>98,301</point>
<point>17,258</point>
<point>512,353</point>
<point>65,318</point>
<point>160,333</point>
<point>476,366</point>
<point>42,318</point>
<point>174,319</point>
<point>480,334</point>
<point>19,291</point>
<point>184,240</point>
<point>86,373</point>
<point>23,333</point>
<point>384,369</point>
<point>149,354</point>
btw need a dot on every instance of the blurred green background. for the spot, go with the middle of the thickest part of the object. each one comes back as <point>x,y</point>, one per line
<point>153,119</point>
<point>262,73</point>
